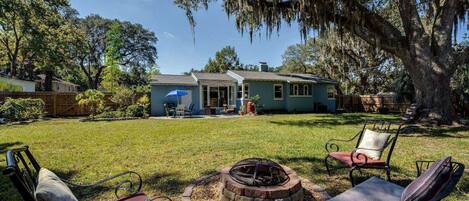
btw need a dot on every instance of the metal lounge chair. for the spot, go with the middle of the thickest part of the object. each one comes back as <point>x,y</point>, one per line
<point>357,161</point>
<point>23,171</point>
<point>375,189</point>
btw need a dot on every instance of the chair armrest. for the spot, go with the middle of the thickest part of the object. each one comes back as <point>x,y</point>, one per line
<point>355,157</point>
<point>333,147</point>
<point>132,188</point>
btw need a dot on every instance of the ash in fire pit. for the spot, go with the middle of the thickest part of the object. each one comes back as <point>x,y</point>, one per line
<point>258,172</point>
<point>260,180</point>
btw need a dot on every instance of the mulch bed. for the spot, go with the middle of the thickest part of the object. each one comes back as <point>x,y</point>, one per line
<point>108,119</point>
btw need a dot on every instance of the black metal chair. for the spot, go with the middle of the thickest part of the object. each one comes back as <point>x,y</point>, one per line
<point>357,161</point>
<point>23,169</point>
<point>169,110</point>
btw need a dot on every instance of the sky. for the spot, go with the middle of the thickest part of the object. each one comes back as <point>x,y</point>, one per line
<point>177,52</point>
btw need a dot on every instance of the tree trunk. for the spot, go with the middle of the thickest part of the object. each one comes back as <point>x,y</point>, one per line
<point>13,67</point>
<point>48,80</point>
<point>432,90</point>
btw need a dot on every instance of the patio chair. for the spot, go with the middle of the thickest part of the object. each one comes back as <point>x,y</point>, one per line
<point>436,183</point>
<point>371,144</point>
<point>169,109</point>
<point>229,109</point>
<point>34,182</point>
<point>182,110</point>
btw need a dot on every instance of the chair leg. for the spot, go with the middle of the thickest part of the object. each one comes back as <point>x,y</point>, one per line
<point>351,176</point>
<point>388,173</point>
<point>327,165</point>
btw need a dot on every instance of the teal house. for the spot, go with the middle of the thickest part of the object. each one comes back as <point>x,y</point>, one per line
<point>282,92</point>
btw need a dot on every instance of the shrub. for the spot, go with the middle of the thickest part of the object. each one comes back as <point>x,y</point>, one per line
<point>22,109</point>
<point>93,99</point>
<point>123,97</point>
<point>111,114</point>
<point>135,111</point>
<point>7,87</point>
<point>144,101</point>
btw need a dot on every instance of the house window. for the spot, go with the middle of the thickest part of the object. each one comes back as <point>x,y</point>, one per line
<point>331,92</point>
<point>278,92</point>
<point>300,90</point>
<point>246,90</point>
<point>294,90</point>
<point>240,91</point>
<point>306,90</point>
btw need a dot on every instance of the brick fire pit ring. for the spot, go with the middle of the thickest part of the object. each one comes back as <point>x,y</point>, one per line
<point>291,190</point>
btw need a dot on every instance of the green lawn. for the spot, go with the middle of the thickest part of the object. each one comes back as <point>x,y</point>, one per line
<point>169,154</point>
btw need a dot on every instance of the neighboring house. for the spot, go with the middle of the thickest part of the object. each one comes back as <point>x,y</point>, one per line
<point>289,92</point>
<point>58,85</point>
<point>27,86</point>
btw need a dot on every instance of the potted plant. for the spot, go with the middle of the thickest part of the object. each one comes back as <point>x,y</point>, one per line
<point>242,110</point>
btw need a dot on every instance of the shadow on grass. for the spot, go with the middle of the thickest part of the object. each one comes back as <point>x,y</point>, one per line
<point>4,147</point>
<point>438,132</point>
<point>328,120</point>
<point>168,183</point>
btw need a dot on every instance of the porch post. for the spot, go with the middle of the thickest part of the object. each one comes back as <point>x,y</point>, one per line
<point>208,96</point>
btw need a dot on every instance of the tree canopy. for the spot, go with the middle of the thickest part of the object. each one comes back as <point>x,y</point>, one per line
<point>419,33</point>
<point>225,59</point>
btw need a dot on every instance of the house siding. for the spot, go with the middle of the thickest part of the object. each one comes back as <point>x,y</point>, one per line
<point>265,89</point>
<point>300,103</point>
<point>320,95</point>
<point>158,97</point>
<point>28,86</point>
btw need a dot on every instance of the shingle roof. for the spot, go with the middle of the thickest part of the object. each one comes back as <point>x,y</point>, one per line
<point>173,80</point>
<point>270,76</point>
<point>213,76</point>
<point>315,78</point>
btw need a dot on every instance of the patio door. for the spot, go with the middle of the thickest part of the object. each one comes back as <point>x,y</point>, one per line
<point>187,99</point>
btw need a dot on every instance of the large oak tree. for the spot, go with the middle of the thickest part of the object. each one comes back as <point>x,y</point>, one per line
<point>421,37</point>
<point>137,50</point>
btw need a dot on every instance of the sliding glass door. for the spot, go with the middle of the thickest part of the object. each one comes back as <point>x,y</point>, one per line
<point>217,96</point>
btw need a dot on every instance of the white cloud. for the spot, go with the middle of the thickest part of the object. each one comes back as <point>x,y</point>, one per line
<point>168,35</point>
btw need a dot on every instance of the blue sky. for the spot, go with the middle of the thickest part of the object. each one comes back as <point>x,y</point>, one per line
<point>176,50</point>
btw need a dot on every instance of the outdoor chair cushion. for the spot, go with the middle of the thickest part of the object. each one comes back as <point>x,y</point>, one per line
<point>427,185</point>
<point>344,158</point>
<point>51,188</point>
<point>372,143</point>
<point>373,189</point>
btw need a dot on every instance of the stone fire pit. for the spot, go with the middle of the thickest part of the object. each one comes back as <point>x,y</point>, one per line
<point>261,180</point>
<point>222,186</point>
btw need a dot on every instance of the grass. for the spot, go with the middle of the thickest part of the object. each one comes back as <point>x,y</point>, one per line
<point>169,154</point>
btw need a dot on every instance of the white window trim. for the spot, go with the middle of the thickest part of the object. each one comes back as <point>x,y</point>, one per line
<point>298,91</point>
<point>327,92</point>
<point>281,89</point>
<point>245,92</point>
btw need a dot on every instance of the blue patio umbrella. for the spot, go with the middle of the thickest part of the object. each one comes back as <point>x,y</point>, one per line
<point>177,93</point>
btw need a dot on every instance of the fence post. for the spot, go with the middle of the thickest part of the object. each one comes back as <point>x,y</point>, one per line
<point>55,104</point>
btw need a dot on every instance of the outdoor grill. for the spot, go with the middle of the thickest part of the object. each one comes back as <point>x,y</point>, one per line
<point>258,172</point>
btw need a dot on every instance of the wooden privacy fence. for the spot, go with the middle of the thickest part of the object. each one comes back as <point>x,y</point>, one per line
<point>58,103</point>
<point>370,103</point>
